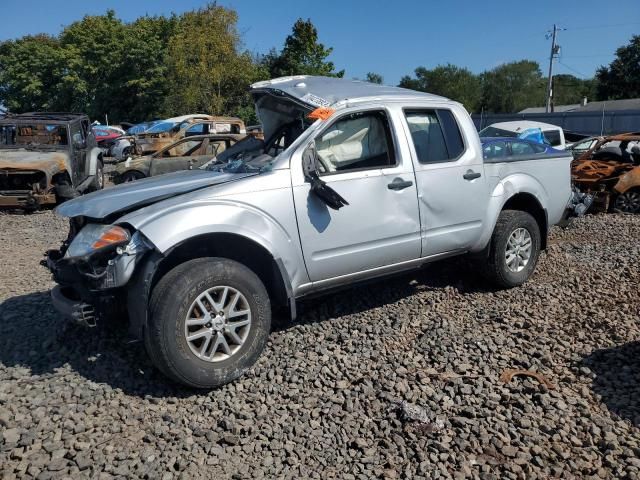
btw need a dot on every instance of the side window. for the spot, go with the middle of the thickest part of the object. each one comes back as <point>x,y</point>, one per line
<point>436,135</point>
<point>77,135</point>
<point>521,148</point>
<point>183,149</point>
<point>357,141</point>
<point>494,150</point>
<point>552,137</point>
<point>215,147</point>
<point>197,129</point>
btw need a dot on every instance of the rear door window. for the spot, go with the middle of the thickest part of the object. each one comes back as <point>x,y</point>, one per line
<point>435,134</point>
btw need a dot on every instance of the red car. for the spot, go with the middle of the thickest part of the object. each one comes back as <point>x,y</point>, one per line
<point>105,136</point>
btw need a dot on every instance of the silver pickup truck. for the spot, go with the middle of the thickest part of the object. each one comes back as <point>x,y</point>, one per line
<point>353,181</point>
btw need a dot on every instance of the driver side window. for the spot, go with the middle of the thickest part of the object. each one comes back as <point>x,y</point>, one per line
<point>355,142</point>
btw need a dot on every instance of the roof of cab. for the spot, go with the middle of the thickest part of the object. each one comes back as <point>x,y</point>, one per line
<point>329,91</point>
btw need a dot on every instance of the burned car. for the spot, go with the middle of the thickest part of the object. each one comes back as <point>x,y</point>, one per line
<point>168,131</point>
<point>185,154</point>
<point>46,158</point>
<point>610,170</point>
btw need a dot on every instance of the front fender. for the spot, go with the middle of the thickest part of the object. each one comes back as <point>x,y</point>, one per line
<point>174,225</point>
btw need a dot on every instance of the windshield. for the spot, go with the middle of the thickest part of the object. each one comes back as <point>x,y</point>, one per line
<point>496,132</point>
<point>31,134</point>
<point>161,127</point>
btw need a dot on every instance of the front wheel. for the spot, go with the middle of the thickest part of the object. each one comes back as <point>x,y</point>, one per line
<point>514,249</point>
<point>130,176</point>
<point>98,179</point>
<point>209,322</point>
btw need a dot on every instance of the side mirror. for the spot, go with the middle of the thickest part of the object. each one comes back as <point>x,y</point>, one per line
<point>309,157</point>
<point>319,188</point>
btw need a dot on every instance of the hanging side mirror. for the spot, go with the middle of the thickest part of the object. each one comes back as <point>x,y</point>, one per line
<point>319,188</point>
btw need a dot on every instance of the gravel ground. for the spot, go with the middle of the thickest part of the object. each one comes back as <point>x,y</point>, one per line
<point>400,379</point>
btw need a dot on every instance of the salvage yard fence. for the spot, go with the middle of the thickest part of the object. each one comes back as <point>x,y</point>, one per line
<point>588,123</point>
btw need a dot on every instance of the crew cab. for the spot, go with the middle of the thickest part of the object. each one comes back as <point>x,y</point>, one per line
<point>353,181</point>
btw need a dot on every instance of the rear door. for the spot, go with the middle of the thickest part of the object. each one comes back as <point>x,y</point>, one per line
<point>359,157</point>
<point>452,190</point>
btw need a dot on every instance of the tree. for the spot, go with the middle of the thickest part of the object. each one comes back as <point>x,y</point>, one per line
<point>512,87</point>
<point>34,75</point>
<point>302,54</point>
<point>621,79</point>
<point>450,81</point>
<point>568,89</point>
<point>206,70</point>
<point>375,78</point>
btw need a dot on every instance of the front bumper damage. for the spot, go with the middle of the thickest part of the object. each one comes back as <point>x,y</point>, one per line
<point>91,288</point>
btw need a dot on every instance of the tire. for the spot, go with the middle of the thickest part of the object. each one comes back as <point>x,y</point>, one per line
<point>175,298</point>
<point>130,176</point>
<point>627,202</point>
<point>510,225</point>
<point>98,179</point>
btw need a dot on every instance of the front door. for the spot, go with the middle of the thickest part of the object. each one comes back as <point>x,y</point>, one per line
<point>452,190</point>
<point>358,158</point>
<point>177,157</point>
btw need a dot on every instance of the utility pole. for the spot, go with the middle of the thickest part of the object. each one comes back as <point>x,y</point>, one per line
<point>554,51</point>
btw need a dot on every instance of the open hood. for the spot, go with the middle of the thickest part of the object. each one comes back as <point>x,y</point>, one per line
<point>50,162</point>
<point>282,100</point>
<point>131,196</point>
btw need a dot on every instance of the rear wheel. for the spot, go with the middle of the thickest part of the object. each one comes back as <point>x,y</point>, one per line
<point>514,249</point>
<point>209,322</point>
<point>628,202</point>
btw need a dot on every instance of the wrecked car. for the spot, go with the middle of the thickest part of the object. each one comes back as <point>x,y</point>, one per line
<point>352,181</point>
<point>46,158</point>
<point>168,131</point>
<point>610,171</point>
<point>186,154</point>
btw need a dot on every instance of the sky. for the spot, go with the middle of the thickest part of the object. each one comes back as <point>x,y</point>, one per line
<point>391,38</point>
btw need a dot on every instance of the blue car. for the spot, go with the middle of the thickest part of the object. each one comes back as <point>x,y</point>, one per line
<point>499,147</point>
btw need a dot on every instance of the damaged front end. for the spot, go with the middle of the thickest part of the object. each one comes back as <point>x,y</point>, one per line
<point>25,188</point>
<point>91,267</point>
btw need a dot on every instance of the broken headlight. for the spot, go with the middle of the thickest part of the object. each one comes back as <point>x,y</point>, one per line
<point>95,237</point>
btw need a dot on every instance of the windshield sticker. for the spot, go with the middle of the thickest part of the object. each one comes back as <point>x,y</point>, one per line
<point>315,100</point>
<point>223,127</point>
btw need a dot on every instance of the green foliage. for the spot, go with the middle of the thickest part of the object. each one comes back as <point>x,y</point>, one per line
<point>375,78</point>
<point>621,79</point>
<point>449,81</point>
<point>569,90</point>
<point>206,69</point>
<point>33,75</point>
<point>302,54</point>
<point>512,87</point>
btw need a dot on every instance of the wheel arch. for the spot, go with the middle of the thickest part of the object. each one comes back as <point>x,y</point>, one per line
<point>527,202</point>
<point>233,246</point>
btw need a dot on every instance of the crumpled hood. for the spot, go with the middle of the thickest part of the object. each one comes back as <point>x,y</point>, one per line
<point>50,162</point>
<point>130,196</point>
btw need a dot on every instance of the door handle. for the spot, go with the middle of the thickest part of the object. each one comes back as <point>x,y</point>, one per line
<point>399,184</point>
<point>471,175</point>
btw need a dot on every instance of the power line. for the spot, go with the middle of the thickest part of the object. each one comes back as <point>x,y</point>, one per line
<point>611,25</point>
<point>572,69</point>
